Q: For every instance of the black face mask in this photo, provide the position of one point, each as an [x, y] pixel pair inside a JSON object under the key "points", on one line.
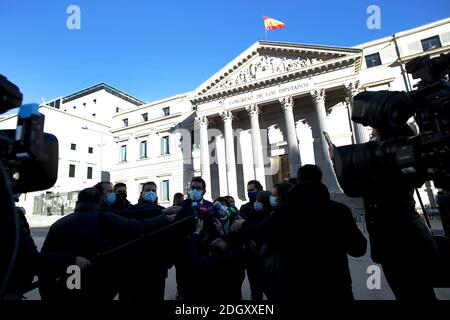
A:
{"points": [[121, 196]]}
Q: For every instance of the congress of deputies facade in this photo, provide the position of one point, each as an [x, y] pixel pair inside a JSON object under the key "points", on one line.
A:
{"points": [[262, 115]]}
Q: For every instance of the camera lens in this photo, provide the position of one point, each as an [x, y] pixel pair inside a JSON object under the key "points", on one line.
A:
{"points": [[382, 108], [398, 109]]}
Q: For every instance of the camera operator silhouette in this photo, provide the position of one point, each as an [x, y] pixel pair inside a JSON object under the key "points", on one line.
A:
{"points": [[399, 239]]}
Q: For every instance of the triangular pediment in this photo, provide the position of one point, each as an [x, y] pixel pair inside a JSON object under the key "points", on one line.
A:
{"points": [[266, 61]]}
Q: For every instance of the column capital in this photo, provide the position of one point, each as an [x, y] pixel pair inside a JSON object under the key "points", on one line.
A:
{"points": [[226, 115], [318, 95], [201, 121], [286, 102], [351, 89], [252, 110]]}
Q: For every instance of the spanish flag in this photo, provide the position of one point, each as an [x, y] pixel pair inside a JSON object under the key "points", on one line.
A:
{"points": [[271, 24]]}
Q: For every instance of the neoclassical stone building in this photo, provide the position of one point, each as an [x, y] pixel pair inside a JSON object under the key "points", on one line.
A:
{"points": [[263, 114]]}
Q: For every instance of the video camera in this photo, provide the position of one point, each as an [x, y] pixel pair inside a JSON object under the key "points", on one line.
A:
{"points": [[28, 162], [412, 159], [30, 155]]}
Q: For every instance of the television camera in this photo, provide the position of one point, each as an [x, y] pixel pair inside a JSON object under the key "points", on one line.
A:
{"points": [[412, 159], [28, 162]]}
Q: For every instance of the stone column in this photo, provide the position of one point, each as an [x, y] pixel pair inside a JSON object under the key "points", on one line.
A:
{"points": [[258, 160], [287, 103], [330, 179], [202, 123], [227, 118], [221, 164], [359, 134]]}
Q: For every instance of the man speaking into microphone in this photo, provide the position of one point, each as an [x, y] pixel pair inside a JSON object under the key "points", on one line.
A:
{"points": [[199, 208]]}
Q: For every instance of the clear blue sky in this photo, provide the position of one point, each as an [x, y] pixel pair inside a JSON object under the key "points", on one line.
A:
{"points": [[154, 49]]}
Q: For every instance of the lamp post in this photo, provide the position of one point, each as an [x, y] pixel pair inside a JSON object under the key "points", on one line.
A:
{"points": [[101, 148]]}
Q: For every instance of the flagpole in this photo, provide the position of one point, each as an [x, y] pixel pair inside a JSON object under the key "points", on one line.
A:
{"points": [[266, 34]]}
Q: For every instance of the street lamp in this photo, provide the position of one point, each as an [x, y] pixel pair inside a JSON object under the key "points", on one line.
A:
{"points": [[101, 150]]}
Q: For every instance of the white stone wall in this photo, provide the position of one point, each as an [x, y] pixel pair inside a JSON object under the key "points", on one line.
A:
{"points": [[68, 129], [156, 167], [101, 110]]}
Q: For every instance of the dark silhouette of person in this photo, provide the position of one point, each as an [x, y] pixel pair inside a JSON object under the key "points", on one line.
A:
{"points": [[107, 195], [121, 202], [86, 232], [194, 206], [178, 198], [310, 237], [399, 239], [252, 246], [217, 271], [253, 187], [146, 264], [30, 262], [280, 193]]}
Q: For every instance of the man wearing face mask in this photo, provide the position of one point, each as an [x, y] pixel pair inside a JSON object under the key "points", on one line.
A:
{"points": [[147, 271], [253, 187], [262, 208], [148, 197], [121, 203], [195, 205], [107, 195]]}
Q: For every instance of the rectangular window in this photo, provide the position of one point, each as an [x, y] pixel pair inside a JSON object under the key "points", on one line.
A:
{"points": [[123, 153], [144, 116], [143, 150], [431, 43], [89, 172], [90, 150], [73, 146], [71, 171], [125, 122], [117, 109], [373, 60], [166, 111], [165, 145], [165, 190]]}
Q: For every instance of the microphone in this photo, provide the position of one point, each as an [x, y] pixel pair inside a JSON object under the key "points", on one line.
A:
{"points": [[203, 211], [194, 207]]}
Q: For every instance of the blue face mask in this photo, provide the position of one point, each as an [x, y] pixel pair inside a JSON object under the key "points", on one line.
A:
{"points": [[252, 195], [110, 198], [195, 195], [258, 206], [150, 196], [273, 201]]}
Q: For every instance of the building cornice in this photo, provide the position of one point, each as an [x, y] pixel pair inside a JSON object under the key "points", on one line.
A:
{"points": [[402, 34], [51, 109], [436, 51], [270, 47], [148, 122], [326, 66], [151, 104], [103, 86]]}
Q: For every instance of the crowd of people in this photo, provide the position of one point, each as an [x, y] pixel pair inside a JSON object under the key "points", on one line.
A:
{"points": [[126, 250]]}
